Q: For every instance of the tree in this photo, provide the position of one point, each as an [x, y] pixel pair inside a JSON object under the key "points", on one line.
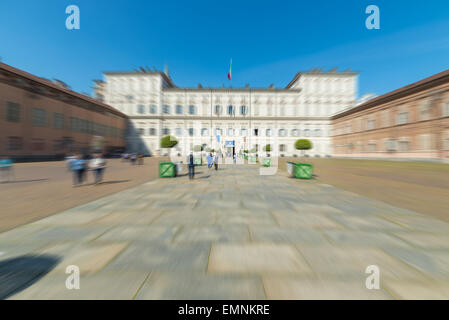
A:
{"points": [[168, 142], [303, 144], [267, 148]]}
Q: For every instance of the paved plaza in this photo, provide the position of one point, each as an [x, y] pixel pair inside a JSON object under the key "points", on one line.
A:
{"points": [[228, 234]]}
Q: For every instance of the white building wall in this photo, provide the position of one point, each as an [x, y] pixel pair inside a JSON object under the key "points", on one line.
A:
{"points": [[305, 107]]}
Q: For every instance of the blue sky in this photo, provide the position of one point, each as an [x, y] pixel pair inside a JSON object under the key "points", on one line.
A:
{"points": [[269, 41]]}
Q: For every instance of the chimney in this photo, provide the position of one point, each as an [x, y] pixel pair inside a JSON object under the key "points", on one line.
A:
{"points": [[200, 86], [247, 86]]}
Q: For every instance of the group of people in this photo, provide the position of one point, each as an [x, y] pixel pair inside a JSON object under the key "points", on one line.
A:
{"points": [[133, 158], [79, 165], [212, 160]]}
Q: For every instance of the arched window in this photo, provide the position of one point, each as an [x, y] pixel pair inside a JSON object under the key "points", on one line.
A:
{"points": [[192, 109]]}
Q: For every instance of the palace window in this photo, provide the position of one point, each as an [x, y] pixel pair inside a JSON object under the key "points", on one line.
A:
{"points": [[268, 132], [12, 112], [402, 118], [306, 133], [15, 143], [191, 132], [166, 109], [317, 132], [230, 132], [282, 148], [218, 132], [153, 109], [204, 132], [141, 131], [295, 133], [192, 109], [403, 145], [39, 117], [140, 109], [371, 124], [165, 131], [178, 109], [446, 109], [152, 131], [178, 132], [256, 132], [425, 110], [282, 133], [244, 110], [243, 132], [58, 121], [230, 110], [217, 109], [390, 145]]}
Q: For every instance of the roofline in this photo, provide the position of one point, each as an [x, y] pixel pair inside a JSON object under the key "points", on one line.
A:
{"points": [[299, 74], [147, 72], [434, 80], [235, 89], [50, 84]]}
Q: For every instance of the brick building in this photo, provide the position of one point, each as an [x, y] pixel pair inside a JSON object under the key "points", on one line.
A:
{"points": [[41, 119], [411, 122]]}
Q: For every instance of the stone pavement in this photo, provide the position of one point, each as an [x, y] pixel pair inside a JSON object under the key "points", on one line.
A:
{"points": [[229, 234]]}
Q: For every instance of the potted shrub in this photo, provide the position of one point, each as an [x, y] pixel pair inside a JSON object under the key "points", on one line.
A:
{"points": [[303, 145]]}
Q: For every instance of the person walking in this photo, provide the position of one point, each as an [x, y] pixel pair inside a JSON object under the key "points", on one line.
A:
{"points": [[216, 161], [5, 170], [98, 165], [78, 168], [191, 166], [133, 158], [210, 160]]}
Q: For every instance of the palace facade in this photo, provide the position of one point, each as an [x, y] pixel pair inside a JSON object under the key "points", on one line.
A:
{"points": [[229, 119]]}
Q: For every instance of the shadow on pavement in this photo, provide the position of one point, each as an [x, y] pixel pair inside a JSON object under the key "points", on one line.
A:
{"points": [[23, 181], [114, 181], [17, 274]]}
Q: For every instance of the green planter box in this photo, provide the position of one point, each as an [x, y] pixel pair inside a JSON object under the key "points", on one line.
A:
{"points": [[252, 159], [300, 170], [167, 170], [198, 161], [245, 157], [266, 162], [304, 171]]}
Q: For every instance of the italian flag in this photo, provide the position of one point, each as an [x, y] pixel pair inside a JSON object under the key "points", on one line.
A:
{"points": [[230, 72]]}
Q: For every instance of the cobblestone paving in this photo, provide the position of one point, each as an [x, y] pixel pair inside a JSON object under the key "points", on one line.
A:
{"points": [[229, 234]]}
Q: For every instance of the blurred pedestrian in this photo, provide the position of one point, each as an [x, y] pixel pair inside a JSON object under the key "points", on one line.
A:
{"points": [[216, 161], [191, 166], [68, 161], [140, 159], [210, 160], [98, 165], [5, 169], [78, 168], [133, 158]]}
